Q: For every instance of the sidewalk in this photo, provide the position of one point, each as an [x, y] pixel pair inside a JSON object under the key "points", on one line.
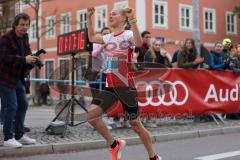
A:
{"points": [[83, 137]]}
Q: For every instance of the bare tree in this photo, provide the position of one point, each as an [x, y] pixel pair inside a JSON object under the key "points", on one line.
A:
{"points": [[35, 6], [7, 13], [236, 11]]}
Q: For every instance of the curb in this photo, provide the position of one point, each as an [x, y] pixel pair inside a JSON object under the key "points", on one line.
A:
{"points": [[81, 146]]}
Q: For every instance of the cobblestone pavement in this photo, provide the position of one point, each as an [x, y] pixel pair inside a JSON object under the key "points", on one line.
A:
{"points": [[39, 117]]}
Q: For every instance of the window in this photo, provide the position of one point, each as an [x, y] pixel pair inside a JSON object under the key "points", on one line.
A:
{"points": [[209, 20], [50, 27], [185, 17], [231, 23], [65, 23], [160, 14], [100, 17], [64, 69], [29, 3], [33, 31], [49, 69], [121, 5], [81, 19], [17, 8], [1, 10], [81, 67]]}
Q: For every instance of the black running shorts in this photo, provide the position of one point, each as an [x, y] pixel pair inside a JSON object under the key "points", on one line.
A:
{"points": [[127, 96]]}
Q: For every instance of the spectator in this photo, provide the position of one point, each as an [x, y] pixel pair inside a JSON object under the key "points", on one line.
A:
{"points": [[44, 92], [234, 63], [146, 42], [174, 58], [204, 53], [238, 47], [16, 62], [227, 45], [187, 56], [217, 57], [154, 55]]}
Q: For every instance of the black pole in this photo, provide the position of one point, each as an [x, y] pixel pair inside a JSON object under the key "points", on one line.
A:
{"points": [[72, 88]]}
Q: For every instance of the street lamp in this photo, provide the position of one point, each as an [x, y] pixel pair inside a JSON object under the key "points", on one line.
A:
{"points": [[196, 30]]}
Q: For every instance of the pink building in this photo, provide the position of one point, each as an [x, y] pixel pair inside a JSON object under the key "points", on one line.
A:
{"points": [[172, 20]]}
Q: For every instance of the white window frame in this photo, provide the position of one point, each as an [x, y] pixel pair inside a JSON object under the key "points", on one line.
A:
{"points": [[31, 31], [80, 24], [120, 5], [45, 61], [165, 14], [32, 2], [65, 25], [235, 23], [75, 72], [213, 12], [1, 10], [62, 59], [48, 36], [17, 8], [184, 28], [103, 7]]}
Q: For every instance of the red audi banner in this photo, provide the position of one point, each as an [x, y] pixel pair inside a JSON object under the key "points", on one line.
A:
{"points": [[172, 92]]}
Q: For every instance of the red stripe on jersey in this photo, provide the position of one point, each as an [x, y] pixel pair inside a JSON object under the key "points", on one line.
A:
{"points": [[115, 35]]}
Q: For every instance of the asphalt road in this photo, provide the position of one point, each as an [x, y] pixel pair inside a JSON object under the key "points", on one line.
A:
{"points": [[224, 147]]}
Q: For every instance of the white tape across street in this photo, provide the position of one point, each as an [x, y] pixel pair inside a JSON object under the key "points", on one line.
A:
{"points": [[220, 156]]}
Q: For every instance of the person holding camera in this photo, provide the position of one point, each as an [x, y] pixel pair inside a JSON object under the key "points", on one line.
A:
{"points": [[16, 62]]}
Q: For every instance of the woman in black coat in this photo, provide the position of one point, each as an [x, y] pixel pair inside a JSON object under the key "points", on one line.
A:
{"points": [[154, 56]]}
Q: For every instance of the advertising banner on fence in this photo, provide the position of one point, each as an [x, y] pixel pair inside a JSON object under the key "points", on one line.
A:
{"points": [[171, 92]]}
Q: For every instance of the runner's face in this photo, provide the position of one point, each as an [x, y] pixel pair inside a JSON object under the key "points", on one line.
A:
{"points": [[116, 18]]}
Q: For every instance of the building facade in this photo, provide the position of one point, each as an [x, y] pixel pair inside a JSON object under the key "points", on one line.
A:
{"points": [[167, 19], [8, 10]]}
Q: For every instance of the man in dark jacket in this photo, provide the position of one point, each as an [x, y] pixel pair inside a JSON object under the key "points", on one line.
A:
{"points": [[16, 62], [217, 57], [146, 39]]}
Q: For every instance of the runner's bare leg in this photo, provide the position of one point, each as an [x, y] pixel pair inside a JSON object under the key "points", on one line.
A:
{"points": [[144, 136], [95, 119]]}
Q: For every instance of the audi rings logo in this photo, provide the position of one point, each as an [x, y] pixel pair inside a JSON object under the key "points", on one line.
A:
{"points": [[174, 96]]}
